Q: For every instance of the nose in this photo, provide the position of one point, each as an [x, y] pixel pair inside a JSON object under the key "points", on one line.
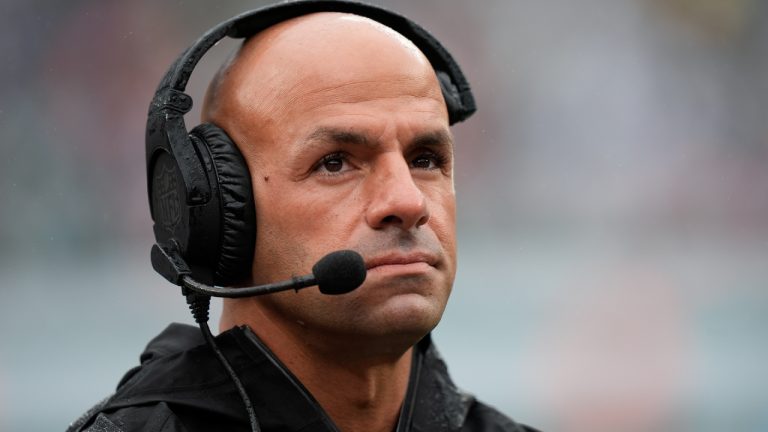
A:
{"points": [[394, 197]]}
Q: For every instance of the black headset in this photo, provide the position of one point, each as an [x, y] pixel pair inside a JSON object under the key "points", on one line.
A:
{"points": [[199, 186]]}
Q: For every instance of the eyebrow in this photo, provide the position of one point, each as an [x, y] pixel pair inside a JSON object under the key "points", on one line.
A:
{"points": [[434, 138], [341, 136], [346, 136]]}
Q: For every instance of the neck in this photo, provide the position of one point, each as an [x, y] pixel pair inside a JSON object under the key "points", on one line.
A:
{"points": [[359, 388], [358, 398]]}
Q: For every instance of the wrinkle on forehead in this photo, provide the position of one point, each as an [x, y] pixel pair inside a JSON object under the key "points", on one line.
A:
{"points": [[310, 94], [318, 58]]}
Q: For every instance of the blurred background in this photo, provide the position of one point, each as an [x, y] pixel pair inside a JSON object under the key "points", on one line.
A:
{"points": [[613, 206]]}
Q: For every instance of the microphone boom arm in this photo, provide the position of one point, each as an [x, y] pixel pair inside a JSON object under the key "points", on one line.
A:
{"points": [[296, 283], [338, 272]]}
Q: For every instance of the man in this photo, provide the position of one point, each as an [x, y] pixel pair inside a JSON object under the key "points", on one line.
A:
{"points": [[348, 147]]}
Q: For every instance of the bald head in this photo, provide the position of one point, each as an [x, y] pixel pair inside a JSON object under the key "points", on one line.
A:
{"points": [[299, 62]]}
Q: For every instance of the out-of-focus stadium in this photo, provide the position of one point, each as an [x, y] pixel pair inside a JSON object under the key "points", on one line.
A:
{"points": [[613, 206]]}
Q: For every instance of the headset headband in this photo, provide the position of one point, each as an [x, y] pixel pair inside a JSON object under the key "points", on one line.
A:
{"points": [[456, 91]]}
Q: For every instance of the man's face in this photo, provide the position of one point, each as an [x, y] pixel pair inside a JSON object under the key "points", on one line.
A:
{"points": [[350, 152]]}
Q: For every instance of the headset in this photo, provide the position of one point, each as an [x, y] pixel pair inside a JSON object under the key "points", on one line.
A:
{"points": [[199, 186]]}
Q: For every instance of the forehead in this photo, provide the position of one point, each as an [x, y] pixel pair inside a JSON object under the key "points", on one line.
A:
{"points": [[321, 59]]}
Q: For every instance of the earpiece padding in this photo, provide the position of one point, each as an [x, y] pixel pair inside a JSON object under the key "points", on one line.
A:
{"points": [[238, 215]]}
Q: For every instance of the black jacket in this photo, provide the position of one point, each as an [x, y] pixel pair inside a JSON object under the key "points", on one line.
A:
{"points": [[181, 386]]}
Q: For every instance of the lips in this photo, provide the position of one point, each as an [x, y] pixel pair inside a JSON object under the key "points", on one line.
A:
{"points": [[400, 259]]}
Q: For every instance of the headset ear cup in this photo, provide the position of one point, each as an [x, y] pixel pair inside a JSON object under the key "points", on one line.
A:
{"points": [[238, 214]]}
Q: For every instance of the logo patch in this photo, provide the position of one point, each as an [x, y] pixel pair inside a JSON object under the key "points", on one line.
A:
{"points": [[166, 197]]}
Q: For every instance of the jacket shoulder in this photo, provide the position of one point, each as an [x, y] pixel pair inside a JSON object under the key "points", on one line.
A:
{"points": [[150, 418], [110, 415], [485, 418]]}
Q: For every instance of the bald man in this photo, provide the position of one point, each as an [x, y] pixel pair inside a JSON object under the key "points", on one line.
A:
{"points": [[348, 147]]}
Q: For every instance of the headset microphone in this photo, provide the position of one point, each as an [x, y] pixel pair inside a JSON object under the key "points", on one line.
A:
{"points": [[336, 273]]}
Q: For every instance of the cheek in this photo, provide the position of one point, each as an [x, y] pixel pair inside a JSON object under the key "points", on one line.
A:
{"points": [[288, 235], [443, 219], [276, 222], [296, 213]]}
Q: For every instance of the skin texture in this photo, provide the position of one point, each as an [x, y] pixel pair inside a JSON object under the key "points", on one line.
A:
{"points": [[345, 132]]}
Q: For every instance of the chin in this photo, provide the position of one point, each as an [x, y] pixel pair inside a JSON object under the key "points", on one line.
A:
{"points": [[384, 328], [411, 316]]}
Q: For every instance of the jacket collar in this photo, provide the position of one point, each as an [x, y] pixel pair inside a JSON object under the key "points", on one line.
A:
{"points": [[178, 368]]}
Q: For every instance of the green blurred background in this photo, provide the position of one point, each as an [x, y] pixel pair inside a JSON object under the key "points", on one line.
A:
{"points": [[613, 206]]}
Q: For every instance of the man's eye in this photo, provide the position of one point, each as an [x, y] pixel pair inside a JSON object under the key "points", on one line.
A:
{"points": [[332, 163], [428, 161]]}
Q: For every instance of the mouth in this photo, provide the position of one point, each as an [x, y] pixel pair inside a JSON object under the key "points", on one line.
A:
{"points": [[402, 261]]}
